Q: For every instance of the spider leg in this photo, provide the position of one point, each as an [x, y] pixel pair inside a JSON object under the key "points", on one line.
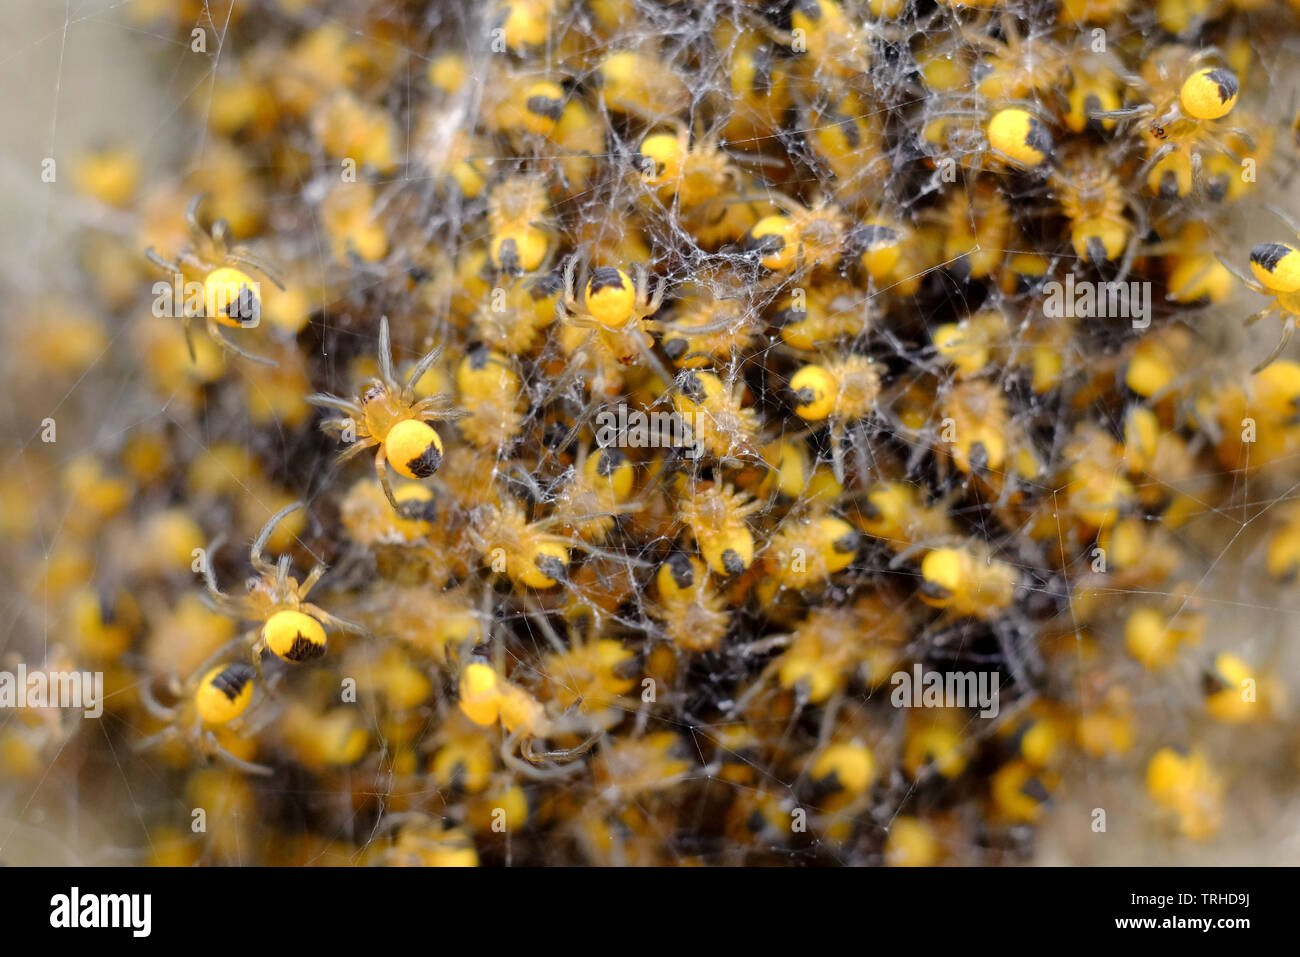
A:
{"points": [[381, 470], [325, 400], [1010, 33], [223, 652], [1127, 113], [562, 755], [1198, 277], [641, 282], [531, 771], [386, 354], [553, 521], [226, 605], [1141, 219], [1247, 281], [255, 553], [1130, 254], [163, 264], [571, 372], [187, 257], [524, 477], [787, 205], [242, 257], [774, 33], [354, 448], [256, 649], [428, 408], [152, 705], [742, 702], [725, 322], [973, 33], [657, 299], [219, 598], [213, 747], [956, 113], [334, 621], [1154, 159], [153, 740], [1263, 313], [652, 360], [1238, 132], [581, 322], [916, 548], [1206, 53], [837, 454], [538, 617], [1288, 329], [192, 213], [1286, 218], [220, 229], [570, 270], [312, 578], [424, 365], [214, 330]]}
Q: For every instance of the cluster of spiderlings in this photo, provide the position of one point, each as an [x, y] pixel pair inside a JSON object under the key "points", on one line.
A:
{"points": [[718, 363]]}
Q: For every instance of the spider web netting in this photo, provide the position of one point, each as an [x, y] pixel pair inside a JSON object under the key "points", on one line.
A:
{"points": [[1117, 496]]}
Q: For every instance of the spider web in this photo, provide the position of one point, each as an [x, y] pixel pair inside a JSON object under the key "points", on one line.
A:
{"points": [[126, 71]]}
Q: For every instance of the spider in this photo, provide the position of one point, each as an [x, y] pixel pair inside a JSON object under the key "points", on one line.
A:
{"points": [[1186, 102], [1276, 275], [693, 173], [617, 308], [420, 841], [836, 43], [1013, 135], [388, 415], [486, 696], [522, 238], [1016, 65], [292, 627], [840, 392], [213, 700], [799, 236], [230, 296], [1094, 202]]}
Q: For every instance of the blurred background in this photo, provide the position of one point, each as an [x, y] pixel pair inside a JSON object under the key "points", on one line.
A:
{"points": [[79, 74]]}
